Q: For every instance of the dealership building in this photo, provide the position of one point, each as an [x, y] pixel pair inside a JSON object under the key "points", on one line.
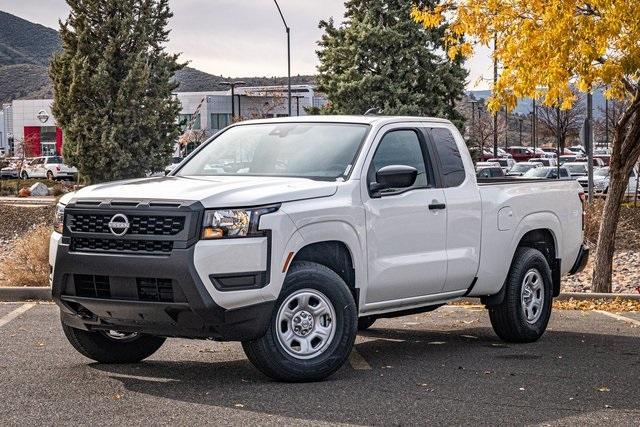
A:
{"points": [[28, 124]]}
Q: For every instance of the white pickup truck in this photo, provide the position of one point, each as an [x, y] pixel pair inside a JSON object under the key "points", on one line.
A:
{"points": [[291, 234]]}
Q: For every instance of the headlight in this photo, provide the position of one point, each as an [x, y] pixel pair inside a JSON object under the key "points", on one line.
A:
{"points": [[223, 223], [58, 218]]}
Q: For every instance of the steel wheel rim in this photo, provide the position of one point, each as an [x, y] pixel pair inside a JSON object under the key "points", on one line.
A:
{"points": [[532, 295], [120, 336], [305, 324]]}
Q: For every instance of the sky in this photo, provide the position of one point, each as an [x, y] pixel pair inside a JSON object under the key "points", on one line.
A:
{"points": [[241, 38]]}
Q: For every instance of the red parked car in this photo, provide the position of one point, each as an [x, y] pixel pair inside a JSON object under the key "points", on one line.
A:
{"points": [[521, 154]]}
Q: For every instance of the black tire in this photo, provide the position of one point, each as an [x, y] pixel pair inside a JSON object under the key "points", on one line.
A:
{"points": [[99, 347], [365, 322], [268, 354], [50, 176], [24, 175], [509, 319]]}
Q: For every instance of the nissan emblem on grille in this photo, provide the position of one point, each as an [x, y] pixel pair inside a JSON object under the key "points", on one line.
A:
{"points": [[119, 225]]}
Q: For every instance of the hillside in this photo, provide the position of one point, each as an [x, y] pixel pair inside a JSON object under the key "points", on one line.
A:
{"points": [[192, 80], [26, 49], [23, 42]]}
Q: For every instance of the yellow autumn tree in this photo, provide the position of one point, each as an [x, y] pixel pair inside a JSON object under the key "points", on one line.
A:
{"points": [[546, 48]]}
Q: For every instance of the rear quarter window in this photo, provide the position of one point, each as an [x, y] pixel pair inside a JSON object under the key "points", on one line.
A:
{"points": [[451, 165]]}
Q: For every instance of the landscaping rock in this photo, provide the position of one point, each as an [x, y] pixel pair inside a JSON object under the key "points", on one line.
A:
{"points": [[39, 189]]}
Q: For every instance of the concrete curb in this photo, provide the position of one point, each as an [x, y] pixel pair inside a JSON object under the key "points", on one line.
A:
{"points": [[18, 294]]}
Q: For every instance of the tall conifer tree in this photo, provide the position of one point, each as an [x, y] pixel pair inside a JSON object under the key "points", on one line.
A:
{"points": [[113, 84], [380, 58]]}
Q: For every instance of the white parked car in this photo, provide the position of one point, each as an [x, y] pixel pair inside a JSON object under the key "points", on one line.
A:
{"points": [[601, 178], [175, 161], [314, 228], [51, 167]]}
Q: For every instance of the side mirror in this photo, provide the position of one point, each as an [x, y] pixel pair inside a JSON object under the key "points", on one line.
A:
{"points": [[393, 176]]}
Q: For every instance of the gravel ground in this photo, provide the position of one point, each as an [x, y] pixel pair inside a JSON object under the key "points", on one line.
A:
{"points": [[626, 275]]}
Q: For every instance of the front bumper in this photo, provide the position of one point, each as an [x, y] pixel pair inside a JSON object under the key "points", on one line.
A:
{"points": [[190, 312], [581, 260]]}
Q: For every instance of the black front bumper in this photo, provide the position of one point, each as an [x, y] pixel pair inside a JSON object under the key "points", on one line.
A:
{"points": [[190, 313], [581, 260]]}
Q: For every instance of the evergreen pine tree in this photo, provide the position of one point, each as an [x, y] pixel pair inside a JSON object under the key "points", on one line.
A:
{"points": [[381, 58], [113, 84]]}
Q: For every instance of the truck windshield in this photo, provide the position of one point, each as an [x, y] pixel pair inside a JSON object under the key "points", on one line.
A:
{"points": [[306, 150]]}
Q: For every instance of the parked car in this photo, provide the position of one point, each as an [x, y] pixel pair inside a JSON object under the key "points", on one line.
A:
{"points": [[325, 224], [521, 168], [548, 161], [50, 167], [601, 178], [175, 161], [490, 172], [578, 150], [540, 153], [568, 159], [597, 162], [488, 154], [10, 172], [505, 163], [521, 154], [606, 158], [548, 172], [577, 169]]}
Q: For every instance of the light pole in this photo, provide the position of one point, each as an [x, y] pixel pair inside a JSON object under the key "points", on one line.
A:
{"points": [[495, 79], [233, 97], [534, 137], [588, 139], [520, 121], [288, 52], [506, 127], [558, 138]]}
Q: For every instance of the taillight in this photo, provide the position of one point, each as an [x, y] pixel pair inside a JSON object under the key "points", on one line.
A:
{"points": [[58, 168], [583, 202]]}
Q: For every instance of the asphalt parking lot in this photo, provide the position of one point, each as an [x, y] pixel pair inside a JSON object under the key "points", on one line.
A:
{"points": [[445, 367]]}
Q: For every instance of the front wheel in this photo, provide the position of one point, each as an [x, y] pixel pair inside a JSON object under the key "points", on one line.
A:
{"points": [[50, 175], [312, 329], [24, 175], [524, 313], [112, 346]]}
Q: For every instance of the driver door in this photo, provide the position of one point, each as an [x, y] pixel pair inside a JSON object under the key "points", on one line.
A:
{"points": [[406, 227]]}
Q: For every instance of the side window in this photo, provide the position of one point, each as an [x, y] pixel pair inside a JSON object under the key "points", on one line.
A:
{"points": [[451, 164], [496, 173], [399, 147], [564, 173]]}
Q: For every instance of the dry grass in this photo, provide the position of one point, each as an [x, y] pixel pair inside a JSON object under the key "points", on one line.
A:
{"points": [[27, 263]]}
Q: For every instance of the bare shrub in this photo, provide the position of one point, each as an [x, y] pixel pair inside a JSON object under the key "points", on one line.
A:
{"points": [[28, 261]]}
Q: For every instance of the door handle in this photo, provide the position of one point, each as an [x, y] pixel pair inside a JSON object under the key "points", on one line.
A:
{"points": [[437, 206]]}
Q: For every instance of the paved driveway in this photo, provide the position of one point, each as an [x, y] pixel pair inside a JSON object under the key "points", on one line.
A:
{"points": [[445, 367]]}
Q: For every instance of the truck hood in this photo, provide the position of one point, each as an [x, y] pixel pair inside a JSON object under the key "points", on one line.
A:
{"points": [[212, 191]]}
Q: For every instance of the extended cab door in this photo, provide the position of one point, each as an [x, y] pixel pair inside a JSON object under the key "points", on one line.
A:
{"points": [[406, 227], [464, 206]]}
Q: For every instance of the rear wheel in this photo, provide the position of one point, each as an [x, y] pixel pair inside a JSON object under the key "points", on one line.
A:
{"points": [[50, 175], [312, 328], [112, 346], [24, 175], [524, 313]]}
